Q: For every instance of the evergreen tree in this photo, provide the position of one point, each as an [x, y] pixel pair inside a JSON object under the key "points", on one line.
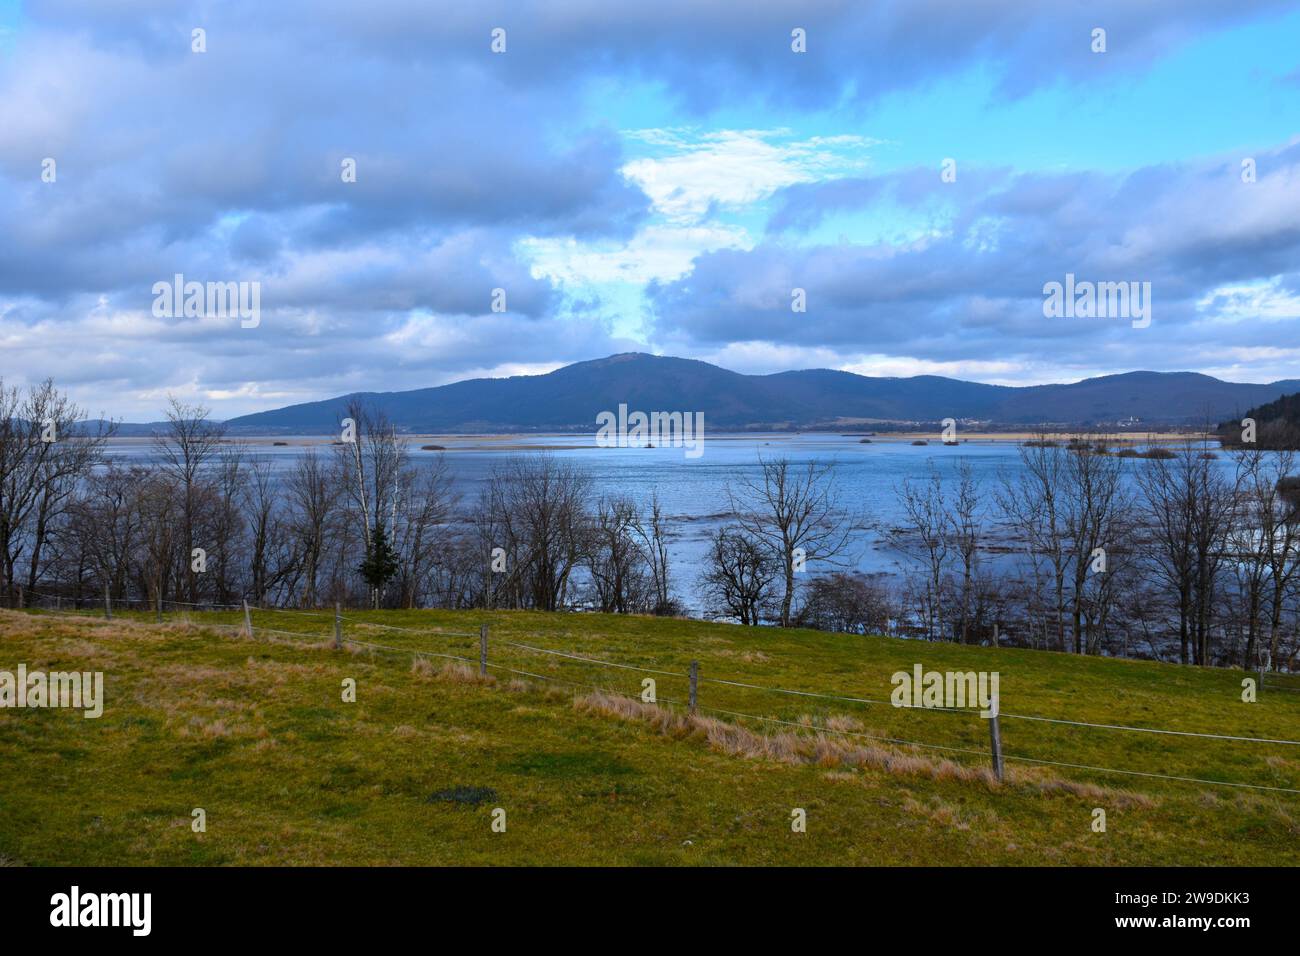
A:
{"points": [[380, 564]]}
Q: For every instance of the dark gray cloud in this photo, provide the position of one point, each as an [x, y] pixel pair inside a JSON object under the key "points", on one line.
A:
{"points": [[225, 166], [710, 52]]}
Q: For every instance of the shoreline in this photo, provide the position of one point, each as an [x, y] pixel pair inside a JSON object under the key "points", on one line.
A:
{"points": [[565, 441]]}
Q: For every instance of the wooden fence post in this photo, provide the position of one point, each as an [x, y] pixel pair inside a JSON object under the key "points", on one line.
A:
{"points": [[158, 605], [108, 605], [695, 684], [995, 738], [482, 650], [248, 620], [338, 626], [20, 597]]}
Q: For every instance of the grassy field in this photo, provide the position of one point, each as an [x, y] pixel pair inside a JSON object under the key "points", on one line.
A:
{"points": [[256, 733]]}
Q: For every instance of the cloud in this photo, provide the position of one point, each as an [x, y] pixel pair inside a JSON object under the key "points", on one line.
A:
{"points": [[971, 290], [695, 180], [699, 172], [226, 166], [656, 253], [707, 53], [478, 171]]}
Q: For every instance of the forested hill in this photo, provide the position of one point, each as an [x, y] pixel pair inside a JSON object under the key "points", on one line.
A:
{"points": [[570, 398], [1277, 424]]}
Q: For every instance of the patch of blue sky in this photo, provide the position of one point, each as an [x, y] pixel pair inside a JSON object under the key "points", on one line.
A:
{"points": [[1232, 89], [882, 222], [10, 20]]}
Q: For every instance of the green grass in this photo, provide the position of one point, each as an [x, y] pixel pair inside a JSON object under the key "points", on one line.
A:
{"points": [[256, 733]]}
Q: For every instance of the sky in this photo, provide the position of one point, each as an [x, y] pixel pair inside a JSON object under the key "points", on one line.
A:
{"points": [[638, 176]]}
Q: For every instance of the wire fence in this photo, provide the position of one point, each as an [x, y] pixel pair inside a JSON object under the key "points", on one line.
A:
{"points": [[693, 678], [942, 747]]}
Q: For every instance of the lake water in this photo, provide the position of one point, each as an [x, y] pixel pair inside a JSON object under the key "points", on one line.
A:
{"points": [[693, 490]]}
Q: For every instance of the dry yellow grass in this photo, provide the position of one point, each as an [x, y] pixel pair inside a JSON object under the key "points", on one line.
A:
{"points": [[829, 751]]}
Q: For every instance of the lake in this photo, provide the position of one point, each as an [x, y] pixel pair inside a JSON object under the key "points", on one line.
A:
{"points": [[693, 490]]}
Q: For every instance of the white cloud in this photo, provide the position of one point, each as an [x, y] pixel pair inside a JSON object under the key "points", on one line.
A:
{"points": [[1265, 300], [662, 252], [735, 168], [692, 176], [902, 366], [759, 358]]}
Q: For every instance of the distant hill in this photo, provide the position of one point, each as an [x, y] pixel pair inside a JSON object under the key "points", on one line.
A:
{"points": [[121, 429], [570, 398], [1277, 424]]}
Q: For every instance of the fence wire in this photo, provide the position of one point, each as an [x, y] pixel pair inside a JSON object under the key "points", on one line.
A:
{"points": [[420, 652]]}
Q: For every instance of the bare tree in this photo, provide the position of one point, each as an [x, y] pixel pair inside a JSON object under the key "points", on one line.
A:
{"points": [[1095, 524], [619, 568], [43, 458], [1031, 501], [313, 497], [422, 507], [498, 545], [1188, 506], [1263, 539], [270, 555], [63, 471], [370, 468], [926, 538], [537, 510], [371, 464], [966, 515], [162, 529], [186, 446], [794, 510], [652, 531], [845, 603], [223, 525], [739, 577], [106, 524]]}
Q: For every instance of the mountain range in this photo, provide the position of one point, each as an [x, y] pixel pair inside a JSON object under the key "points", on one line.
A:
{"points": [[569, 398]]}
